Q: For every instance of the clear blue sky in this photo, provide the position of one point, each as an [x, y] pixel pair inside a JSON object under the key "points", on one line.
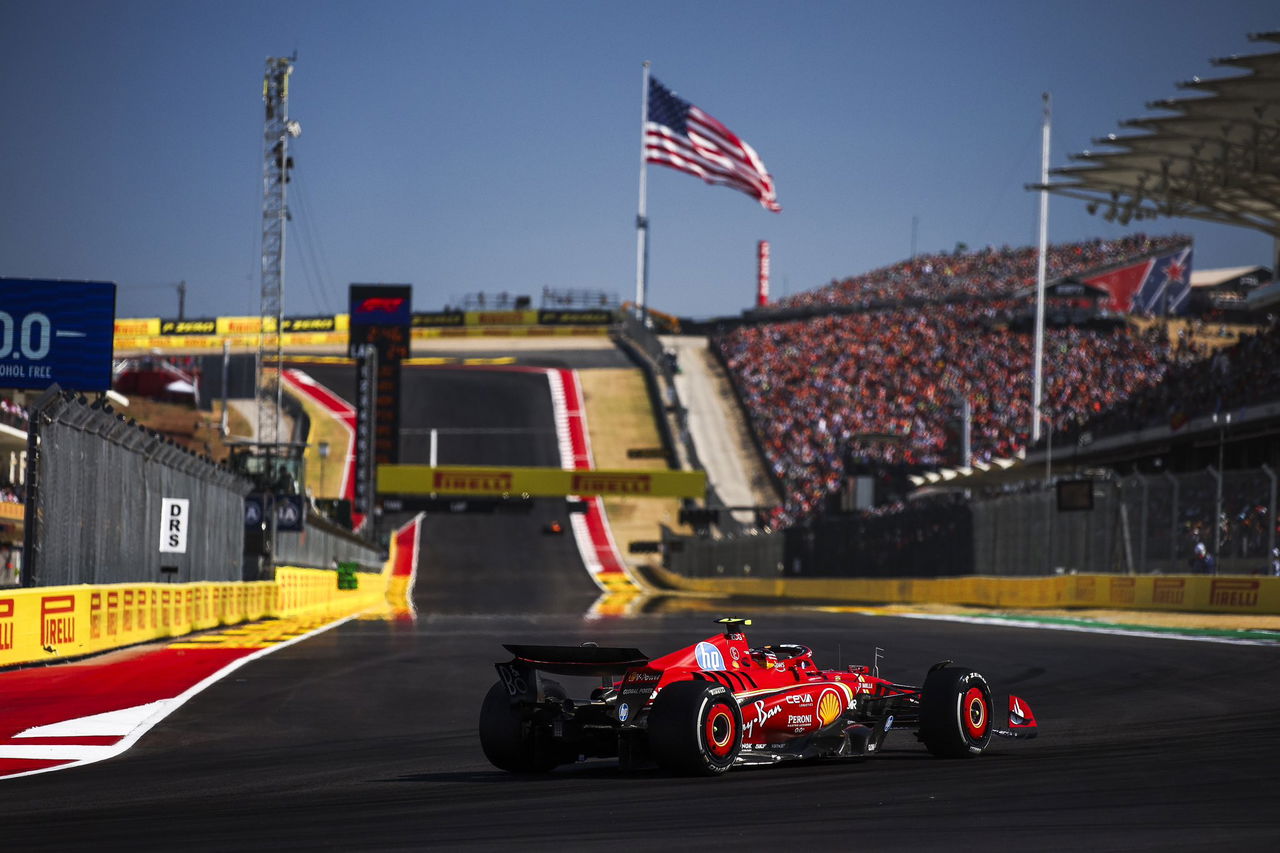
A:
{"points": [[469, 146]]}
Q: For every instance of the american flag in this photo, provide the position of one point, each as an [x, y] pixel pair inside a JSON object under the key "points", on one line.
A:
{"points": [[679, 135], [1159, 285]]}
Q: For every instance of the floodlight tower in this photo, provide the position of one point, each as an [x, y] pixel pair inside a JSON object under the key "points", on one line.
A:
{"points": [[276, 163]]}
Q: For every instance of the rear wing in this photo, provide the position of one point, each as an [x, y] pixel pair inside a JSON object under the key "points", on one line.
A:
{"points": [[578, 660], [520, 674]]}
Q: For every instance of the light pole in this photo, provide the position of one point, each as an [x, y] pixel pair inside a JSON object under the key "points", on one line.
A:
{"points": [[1223, 422], [323, 450], [1047, 413]]}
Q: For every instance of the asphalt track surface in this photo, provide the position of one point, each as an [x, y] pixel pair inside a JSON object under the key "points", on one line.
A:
{"points": [[363, 737]]}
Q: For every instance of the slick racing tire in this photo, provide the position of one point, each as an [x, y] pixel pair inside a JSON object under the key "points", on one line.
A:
{"points": [[695, 729], [508, 740], [955, 713]]}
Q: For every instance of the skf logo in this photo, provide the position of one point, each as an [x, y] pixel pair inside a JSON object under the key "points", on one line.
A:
{"points": [[1234, 593], [57, 620], [380, 305], [471, 481], [6, 624], [611, 484]]}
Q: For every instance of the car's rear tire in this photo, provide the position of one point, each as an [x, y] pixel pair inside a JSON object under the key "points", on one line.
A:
{"points": [[955, 713], [508, 739], [695, 729]]}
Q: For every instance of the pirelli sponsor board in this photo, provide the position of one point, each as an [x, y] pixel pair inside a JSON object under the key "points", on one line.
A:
{"points": [[538, 482], [139, 327], [233, 326]]}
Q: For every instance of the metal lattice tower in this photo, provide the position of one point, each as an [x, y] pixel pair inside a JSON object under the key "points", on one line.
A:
{"points": [[276, 163]]}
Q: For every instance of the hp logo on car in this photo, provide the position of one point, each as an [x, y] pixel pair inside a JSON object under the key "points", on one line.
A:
{"points": [[624, 711], [709, 657]]}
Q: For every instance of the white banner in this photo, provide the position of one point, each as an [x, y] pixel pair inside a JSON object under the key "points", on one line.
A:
{"points": [[175, 516]]}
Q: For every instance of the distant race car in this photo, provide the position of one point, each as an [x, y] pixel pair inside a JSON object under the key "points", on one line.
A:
{"points": [[719, 703]]}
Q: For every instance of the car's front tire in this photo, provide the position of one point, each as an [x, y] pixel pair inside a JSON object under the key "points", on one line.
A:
{"points": [[955, 713], [695, 729]]}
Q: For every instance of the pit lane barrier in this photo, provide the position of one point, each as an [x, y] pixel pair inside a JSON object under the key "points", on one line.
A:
{"points": [[1174, 593]]}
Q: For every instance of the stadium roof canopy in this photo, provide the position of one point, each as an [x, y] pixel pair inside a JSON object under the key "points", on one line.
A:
{"points": [[1216, 157]]}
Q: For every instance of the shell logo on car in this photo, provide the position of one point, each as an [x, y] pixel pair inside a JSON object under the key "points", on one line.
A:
{"points": [[830, 707]]}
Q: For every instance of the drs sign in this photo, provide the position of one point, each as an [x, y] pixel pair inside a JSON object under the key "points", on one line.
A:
{"points": [[56, 331], [175, 518]]}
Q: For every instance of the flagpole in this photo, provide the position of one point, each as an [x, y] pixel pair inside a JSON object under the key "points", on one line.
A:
{"points": [[1037, 390], [642, 219]]}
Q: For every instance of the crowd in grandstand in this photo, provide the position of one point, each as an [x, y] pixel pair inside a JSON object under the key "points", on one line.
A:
{"points": [[1231, 378], [12, 414], [887, 385], [990, 272]]}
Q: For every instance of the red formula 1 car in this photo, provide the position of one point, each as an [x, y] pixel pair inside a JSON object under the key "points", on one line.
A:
{"points": [[721, 703]]}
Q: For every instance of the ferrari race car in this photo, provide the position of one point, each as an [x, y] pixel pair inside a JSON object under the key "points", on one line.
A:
{"points": [[720, 703]]}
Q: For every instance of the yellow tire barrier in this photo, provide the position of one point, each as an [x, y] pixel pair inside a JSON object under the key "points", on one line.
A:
{"points": [[1185, 593]]}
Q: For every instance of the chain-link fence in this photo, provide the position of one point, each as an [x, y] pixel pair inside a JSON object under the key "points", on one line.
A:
{"points": [[932, 541], [322, 545], [1197, 522], [1027, 535], [1201, 521], [97, 485]]}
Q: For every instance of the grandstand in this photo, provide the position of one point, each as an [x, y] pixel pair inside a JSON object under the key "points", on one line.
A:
{"points": [[897, 351]]}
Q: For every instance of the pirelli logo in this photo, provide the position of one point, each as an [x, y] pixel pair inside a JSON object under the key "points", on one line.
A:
{"points": [[472, 481], [246, 325], [1122, 590], [401, 480], [1086, 589], [592, 483], [133, 328], [1234, 593], [499, 318], [1168, 590], [57, 620], [6, 624]]}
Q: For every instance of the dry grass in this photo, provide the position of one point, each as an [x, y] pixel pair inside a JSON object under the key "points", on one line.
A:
{"points": [[194, 429], [619, 418]]}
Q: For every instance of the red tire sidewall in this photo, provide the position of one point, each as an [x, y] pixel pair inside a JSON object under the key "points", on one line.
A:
{"points": [[975, 714], [720, 729]]}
